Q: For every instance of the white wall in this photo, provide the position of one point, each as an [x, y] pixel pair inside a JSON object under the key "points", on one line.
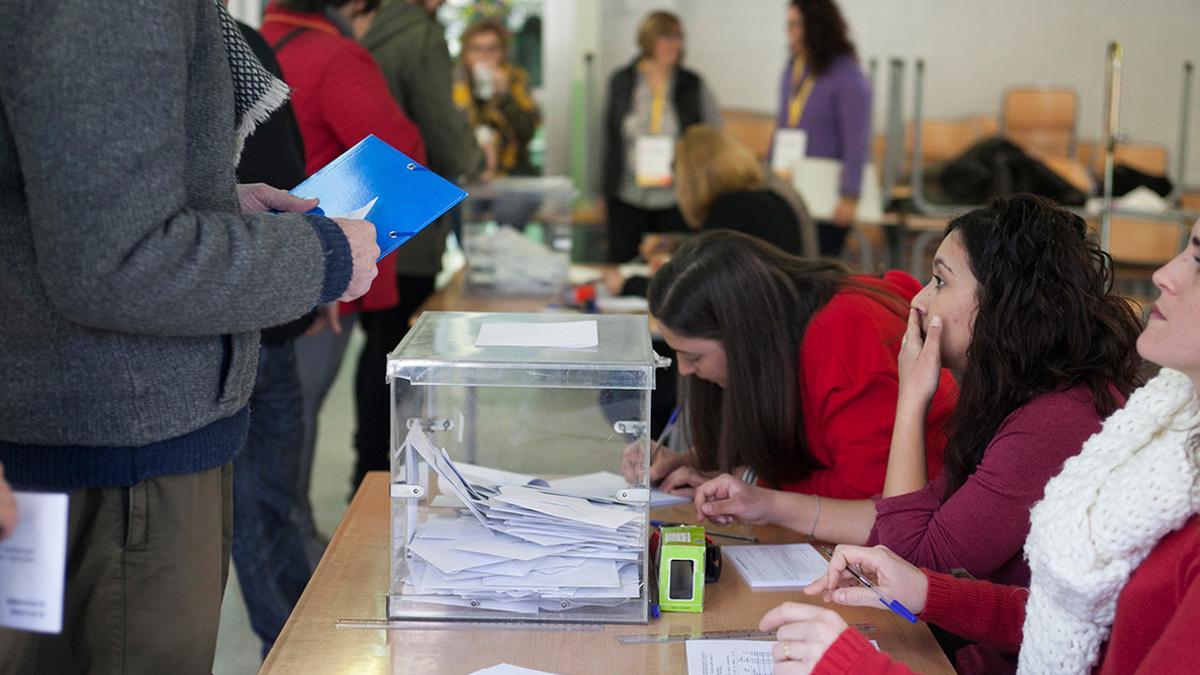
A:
{"points": [[973, 49]]}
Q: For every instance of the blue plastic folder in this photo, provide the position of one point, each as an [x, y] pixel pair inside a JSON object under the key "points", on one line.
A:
{"points": [[400, 196]]}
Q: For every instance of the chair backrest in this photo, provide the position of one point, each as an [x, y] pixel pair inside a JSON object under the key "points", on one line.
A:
{"points": [[1149, 158], [1040, 119], [754, 129], [1144, 243], [943, 140]]}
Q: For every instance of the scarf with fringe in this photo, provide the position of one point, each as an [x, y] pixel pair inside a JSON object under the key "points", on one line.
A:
{"points": [[257, 93]]}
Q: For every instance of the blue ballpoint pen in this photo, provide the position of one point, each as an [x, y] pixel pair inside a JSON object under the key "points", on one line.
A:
{"points": [[894, 605], [669, 426], [666, 431]]}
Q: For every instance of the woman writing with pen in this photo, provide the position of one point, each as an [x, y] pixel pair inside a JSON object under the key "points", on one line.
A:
{"points": [[789, 368], [1114, 546]]}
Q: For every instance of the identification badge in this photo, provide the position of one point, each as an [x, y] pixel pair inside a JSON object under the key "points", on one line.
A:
{"points": [[791, 146], [652, 160]]}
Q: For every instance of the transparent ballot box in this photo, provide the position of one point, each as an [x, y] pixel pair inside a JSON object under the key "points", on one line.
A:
{"points": [[508, 501], [517, 235]]}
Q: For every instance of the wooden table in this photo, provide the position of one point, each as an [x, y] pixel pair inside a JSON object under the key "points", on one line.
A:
{"points": [[454, 298], [352, 579]]}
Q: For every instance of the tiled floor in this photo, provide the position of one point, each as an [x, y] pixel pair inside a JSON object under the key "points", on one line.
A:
{"points": [[238, 649]]}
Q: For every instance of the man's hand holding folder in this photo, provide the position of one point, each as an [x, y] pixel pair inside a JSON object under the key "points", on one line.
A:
{"points": [[360, 234], [365, 252]]}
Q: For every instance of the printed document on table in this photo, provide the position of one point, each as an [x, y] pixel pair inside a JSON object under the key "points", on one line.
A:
{"points": [[777, 566], [730, 657], [33, 563], [561, 335]]}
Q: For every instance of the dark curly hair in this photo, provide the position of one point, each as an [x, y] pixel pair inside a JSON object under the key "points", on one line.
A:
{"points": [[756, 301], [1047, 321], [826, 35]]}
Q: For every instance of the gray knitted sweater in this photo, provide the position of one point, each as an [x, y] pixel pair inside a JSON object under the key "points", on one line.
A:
{"points": [[131, 289]]}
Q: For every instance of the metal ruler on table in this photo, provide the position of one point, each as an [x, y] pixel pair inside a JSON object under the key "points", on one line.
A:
{"points": [[422, 624], [745, 634], [736, 634]]}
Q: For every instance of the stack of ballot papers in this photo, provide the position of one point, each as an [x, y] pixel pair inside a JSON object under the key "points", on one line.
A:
{"points": [[523, 548], [504, 261]]}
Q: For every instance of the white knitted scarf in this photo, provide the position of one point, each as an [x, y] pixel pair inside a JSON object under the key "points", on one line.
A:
{"points": [[1134, 482]]}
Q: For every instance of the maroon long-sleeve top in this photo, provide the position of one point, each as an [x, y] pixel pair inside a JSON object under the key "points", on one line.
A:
{"points": [[982, 527]]}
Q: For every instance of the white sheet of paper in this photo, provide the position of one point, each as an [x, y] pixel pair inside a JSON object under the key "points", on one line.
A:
{"points": [[440, 462], [818, 180], [509, 669], [604, 485], [777, 566], [569, 508], [484, 475], [730, 657], [560, 335], [791, 146], [452, 527], [652, 157], [33, 563], [359, 213]]}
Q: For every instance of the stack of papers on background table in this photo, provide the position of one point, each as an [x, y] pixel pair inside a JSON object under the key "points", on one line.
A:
{"points": [[523, 548]]}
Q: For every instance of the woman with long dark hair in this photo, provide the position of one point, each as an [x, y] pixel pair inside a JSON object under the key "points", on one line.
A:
{"points": [[1020, 305], [825, 96], [1114, 545], [789, 367]]}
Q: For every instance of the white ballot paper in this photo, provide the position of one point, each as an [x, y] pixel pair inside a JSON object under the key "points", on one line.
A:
{"points": [[730, 657], [526, 547], [605, 484], [509, 669], [777, 567], [33, 564], [560, 335]]}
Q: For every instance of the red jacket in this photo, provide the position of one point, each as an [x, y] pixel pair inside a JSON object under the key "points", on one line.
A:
{"points": [[1157, 618], [848, 388], [340, 96]]}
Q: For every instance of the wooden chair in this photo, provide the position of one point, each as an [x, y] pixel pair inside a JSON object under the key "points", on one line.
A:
{"points": [[754, 129], [1149, 158], [1138, 247], [1040, 119]]}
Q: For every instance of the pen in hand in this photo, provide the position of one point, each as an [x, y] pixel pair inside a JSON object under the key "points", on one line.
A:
{"points": [[662, 436], [894, 605]]}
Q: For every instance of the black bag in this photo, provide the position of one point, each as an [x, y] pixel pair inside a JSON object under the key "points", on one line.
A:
{"points": [[995, 167], [1125, 179]]}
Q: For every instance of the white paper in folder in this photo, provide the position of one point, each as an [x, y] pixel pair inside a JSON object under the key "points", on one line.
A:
{"points": [[818, 180]]}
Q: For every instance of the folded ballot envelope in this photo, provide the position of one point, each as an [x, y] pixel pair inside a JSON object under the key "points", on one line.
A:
{"points": [[376, 182]]}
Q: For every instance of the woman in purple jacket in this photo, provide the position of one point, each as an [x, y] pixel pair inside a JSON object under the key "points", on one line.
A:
{"points": [[825, 95]]}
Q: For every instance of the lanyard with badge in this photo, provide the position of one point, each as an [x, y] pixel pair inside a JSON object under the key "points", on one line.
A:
{"points": [[653, 153], [791, 142]]}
